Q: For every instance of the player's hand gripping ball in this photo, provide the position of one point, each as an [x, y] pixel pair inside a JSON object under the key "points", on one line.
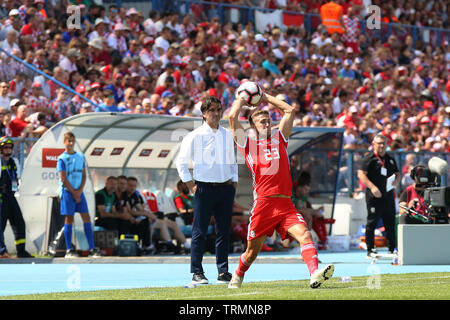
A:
{"points": [[250, 92]]}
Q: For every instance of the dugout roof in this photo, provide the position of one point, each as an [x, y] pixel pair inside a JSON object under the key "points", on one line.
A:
{"points": [[151, 141]]}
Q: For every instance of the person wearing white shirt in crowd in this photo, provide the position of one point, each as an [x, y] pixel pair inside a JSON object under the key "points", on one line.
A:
{"points": [[68, 63], [116, 40], [100, 30], [281, 50], [149, 24], [14, 22], [162, 40], [4, 95], [322, 39], [276, 37], [338, 102], [147, 54], [171, 56], [185, 27], [169, 69], [10, 42], [162, 22], [215, 175]]}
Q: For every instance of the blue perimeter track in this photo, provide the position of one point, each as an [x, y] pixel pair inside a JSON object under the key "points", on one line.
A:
{"points": [[65, 276]]}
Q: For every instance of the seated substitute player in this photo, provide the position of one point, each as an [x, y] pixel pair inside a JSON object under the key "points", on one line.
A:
{"points": [[267, 158]]}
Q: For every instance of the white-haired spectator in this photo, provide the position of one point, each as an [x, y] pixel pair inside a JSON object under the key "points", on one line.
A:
{"points": [[10, 42]]}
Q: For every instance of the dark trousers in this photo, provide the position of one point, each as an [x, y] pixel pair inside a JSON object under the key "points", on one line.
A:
{"points": [[383, 208], [114, 224], [11, 211], [142, 229], [217, 201], [2, 238]]}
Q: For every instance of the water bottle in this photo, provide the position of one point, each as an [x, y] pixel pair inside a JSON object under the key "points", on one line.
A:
{"points": [[345, 279], [395, 258]]}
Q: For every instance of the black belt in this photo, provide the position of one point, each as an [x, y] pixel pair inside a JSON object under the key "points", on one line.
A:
{"points": [[216, 184]]}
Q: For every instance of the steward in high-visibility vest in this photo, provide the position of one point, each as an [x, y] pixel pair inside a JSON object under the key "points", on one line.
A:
{"points": [[331, 14]]}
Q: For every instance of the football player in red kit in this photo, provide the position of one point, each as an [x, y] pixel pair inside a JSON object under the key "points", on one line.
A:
{"points": [[267, 158]]}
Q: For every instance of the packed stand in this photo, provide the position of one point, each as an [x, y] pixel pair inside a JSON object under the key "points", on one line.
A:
{"points": [[163, 63], [125, 60], [409, 12]]}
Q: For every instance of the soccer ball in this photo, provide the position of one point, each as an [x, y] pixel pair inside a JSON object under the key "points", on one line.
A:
{"points": [[250, 92]]}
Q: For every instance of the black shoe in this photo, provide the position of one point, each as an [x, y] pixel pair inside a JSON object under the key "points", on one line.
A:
{"points": [[149, 251], [224, 278], [199, 278], [95, 253], [24, 254], [371, 253]]}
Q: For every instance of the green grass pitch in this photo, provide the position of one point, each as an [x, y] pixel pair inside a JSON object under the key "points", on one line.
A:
{"points": [[421, 286]]}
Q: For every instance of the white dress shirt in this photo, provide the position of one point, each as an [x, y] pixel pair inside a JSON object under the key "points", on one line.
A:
{"points": [[212, 155]]}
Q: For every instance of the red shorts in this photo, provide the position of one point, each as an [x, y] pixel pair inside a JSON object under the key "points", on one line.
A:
{"points": [[273, 214]]}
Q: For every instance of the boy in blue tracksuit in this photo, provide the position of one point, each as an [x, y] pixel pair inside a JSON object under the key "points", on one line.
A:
{"points": [[72, 172]]}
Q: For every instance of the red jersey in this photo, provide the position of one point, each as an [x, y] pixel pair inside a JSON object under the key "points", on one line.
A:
{"points": [[269, 163]]}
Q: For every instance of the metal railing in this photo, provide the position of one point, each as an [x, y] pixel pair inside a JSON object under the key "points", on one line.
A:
{"points": [[32, 74], [22, 147]]}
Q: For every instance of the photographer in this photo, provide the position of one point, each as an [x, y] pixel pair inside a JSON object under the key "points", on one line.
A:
{"points": [[412, 197]]}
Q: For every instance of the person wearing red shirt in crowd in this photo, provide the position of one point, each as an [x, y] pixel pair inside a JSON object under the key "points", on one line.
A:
{"points": [[388, 132], [428, 111], [37, 102], [210, 47], [98, 53], [19, 126], [273, 208], [351, 119], [226, 74], [32, 29], [168, 86], [393, 45], [352, 27], [183, 78]]}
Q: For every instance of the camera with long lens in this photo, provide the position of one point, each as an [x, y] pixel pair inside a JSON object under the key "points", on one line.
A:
{"points": [[436, 197]]}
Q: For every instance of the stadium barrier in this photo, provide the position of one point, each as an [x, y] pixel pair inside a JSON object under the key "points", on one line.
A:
{"points": [[243, 14], [22, 147], [413, 250]]}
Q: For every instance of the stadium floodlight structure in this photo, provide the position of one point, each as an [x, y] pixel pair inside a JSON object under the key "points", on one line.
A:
{"points": [[146, 146]]}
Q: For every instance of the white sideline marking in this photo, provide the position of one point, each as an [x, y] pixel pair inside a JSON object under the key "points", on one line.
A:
{"points": [[221, 295]]}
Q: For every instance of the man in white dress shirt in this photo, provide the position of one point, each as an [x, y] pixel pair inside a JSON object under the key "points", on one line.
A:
{"points": [[210, 148]]}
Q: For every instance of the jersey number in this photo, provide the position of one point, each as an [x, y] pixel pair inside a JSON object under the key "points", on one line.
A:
{"points": [[271, 154]]}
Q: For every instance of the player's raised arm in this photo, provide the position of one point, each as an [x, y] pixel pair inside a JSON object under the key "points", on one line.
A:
{"points": [[235, 126], [288, 112]]}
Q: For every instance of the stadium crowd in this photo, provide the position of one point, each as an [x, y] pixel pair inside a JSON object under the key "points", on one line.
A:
{"points": [[164, 63], [160, 62]]}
